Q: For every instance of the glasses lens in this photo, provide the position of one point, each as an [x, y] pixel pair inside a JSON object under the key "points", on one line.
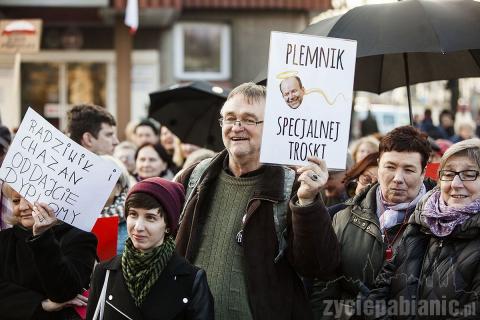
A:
{"points": [[446, 175], [468, 175]]}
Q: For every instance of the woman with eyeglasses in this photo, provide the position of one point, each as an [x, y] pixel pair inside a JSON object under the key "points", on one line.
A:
{"points": [[438, 260]]}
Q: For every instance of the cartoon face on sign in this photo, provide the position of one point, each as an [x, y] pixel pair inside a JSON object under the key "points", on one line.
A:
{"points": [[292, 91]]}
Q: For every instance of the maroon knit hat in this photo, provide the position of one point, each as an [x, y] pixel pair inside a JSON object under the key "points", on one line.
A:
{"points": [[171, 195]]}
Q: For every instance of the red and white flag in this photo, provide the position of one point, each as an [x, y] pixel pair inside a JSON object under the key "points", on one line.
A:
{"points": [[131, 15]]}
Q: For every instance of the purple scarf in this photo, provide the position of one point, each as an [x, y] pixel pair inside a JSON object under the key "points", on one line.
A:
{"points": [[442, 219], [392, 214]]}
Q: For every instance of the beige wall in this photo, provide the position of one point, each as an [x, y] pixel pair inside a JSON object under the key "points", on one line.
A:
{"points": [[250, 36]]}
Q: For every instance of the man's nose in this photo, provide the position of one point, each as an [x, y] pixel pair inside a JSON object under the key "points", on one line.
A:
{"points": [[115, 140], [238, 126]]}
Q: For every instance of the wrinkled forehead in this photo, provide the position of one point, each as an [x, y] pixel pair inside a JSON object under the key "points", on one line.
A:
{"points": [[239, 106]]}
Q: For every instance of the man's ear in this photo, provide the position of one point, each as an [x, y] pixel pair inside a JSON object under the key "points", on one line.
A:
{"points": [[87, 140]]}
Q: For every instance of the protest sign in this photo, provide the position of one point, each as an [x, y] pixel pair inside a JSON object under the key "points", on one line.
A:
{"points": [[309, 99], [44, 165]]}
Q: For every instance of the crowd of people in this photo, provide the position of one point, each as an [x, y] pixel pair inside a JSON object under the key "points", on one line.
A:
{"points": [[205, 235]]}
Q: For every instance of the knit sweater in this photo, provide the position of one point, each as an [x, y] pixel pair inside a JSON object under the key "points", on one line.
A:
{"points": [[220, 254]]}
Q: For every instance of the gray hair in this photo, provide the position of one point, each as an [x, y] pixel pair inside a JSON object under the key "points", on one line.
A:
{"points": [[469, 148], [251, 91]]}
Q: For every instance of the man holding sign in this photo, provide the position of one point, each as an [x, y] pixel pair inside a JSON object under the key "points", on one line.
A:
{"points": [[255, 228]]}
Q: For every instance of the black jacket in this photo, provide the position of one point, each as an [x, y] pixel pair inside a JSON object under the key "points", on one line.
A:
{"points": [[55, 265], [430, 268], [181, 292]]}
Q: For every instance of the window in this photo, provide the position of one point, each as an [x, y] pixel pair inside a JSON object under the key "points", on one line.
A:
{"points": [[201, 51]]}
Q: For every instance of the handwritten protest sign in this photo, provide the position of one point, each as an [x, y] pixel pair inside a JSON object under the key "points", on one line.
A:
{"points": [[43, 164], [309, 99]]}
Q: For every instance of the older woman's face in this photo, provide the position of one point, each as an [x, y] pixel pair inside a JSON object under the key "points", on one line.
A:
{"points": [[149, 164], [458, 193], [146, 228], [22, 209]]}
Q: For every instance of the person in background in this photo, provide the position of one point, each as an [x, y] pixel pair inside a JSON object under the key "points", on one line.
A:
{"points": [[360, 176], [428, 127], [93, 127], [368, 125], [362, 147], [5, 205], [364, 173], [152, 160], [146, 131], [445, 124], [149, 280], [172, 144], [45, 263], [466, 130], [438, 257], [129, 129], [371, 226], [334, 191], [116, 201], [125, 152]]}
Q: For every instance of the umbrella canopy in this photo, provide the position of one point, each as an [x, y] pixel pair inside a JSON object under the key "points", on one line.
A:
{"points": [[408, 42], [191, 111]]}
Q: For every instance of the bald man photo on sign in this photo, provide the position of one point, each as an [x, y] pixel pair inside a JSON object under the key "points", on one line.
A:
{"points": [[292, 91]]}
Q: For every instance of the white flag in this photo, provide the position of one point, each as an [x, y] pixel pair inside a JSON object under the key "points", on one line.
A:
{"points": [[131, 15]]}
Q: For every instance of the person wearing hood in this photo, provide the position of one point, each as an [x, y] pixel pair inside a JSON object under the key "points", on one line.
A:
{"points": [[437, 261]]}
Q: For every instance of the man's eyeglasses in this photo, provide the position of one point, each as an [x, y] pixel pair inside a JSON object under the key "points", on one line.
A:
{"points": [[465, 175], [230, 122]]}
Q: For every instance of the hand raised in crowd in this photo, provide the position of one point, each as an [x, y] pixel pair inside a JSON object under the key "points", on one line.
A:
{"points": [[312, 178], [50, 306], [44, 218]]}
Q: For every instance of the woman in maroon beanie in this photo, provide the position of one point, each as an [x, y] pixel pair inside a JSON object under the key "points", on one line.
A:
{"points": [[149, 280]]}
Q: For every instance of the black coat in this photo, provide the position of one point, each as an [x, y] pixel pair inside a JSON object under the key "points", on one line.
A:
{"points": [[181, 292], [430, 268], [55, 265]]}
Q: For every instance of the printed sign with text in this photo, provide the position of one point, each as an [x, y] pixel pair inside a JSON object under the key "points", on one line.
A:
{"points": [[309, 99], [44, 165]]}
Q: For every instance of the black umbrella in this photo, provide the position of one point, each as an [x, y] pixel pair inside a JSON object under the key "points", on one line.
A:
{"points": [[408, 42], [191, 111]]}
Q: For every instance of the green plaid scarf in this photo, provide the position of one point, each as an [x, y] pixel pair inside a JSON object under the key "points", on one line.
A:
{"points": [[142, 270]]}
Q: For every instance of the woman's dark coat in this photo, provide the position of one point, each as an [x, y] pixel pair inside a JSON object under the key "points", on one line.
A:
{"points": [[55, 265], [181, 292], [429, 268]]}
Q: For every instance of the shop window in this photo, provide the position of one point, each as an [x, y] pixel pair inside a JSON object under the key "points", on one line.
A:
{"points": [[201, 51], [51, 88]]}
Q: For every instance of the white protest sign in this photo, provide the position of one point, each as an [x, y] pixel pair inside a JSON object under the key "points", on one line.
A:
{"points": [[44, 165], [309, 99]]}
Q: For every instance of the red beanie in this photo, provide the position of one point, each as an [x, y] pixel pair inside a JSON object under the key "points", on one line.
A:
{"points": [[171, 196]]}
